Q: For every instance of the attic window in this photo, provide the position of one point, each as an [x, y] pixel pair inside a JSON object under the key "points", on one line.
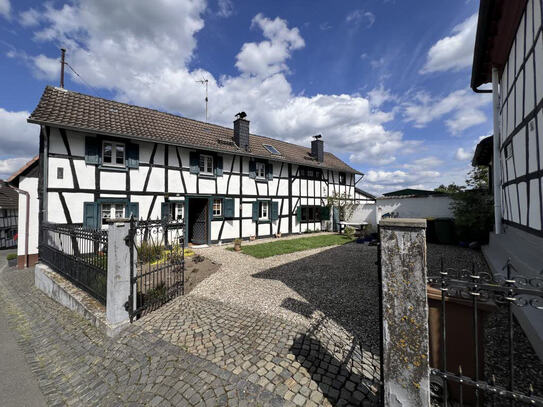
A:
{"points": [[271, 149]]}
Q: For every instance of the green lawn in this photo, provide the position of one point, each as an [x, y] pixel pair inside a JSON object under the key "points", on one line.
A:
{"points": [[263, 250]]}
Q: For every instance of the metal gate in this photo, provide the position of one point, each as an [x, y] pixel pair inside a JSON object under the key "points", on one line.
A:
{"points": [[157, 264], [503, 292]]}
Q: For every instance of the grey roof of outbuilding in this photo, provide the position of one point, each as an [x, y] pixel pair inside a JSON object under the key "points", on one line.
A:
{"points": [[9, 199], [62, 108]]}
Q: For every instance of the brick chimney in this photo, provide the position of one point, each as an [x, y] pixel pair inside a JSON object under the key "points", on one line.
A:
{"points": [[317, 148], [241, 131]]}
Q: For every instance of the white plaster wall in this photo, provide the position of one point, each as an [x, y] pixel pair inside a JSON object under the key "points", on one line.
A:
{"points": [[113, 180], [364, 212], [29, 185], [423, 207]]}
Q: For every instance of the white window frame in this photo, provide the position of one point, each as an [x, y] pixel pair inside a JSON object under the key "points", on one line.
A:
{"points": [[178, 211], [205, 158], [261, 206], [114, 146], [217, 213], [260, 169], [113, 207]]}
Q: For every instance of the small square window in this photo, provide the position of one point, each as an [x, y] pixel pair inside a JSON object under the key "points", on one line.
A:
{"points": [[508, 150], [111, 211], [60, 173], [206, 164], [260, 170], [263, 211], [177, 212], [217, 207]]}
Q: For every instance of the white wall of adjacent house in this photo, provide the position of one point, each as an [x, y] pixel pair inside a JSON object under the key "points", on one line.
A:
{"points": [[521, 118], [164, 174], [30, 185]]}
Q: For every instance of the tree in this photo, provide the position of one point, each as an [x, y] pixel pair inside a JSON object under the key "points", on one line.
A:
{"points": [[449, 189], [473, 208]]}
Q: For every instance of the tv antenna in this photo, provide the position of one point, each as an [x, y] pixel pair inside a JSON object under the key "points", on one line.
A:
{"points": [[204, 81]]}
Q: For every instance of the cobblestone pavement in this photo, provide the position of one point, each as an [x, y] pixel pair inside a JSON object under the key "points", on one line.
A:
{"points": [[75, 364]]}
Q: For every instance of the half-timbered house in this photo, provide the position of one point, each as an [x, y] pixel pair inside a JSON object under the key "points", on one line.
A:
{"points": [[101, 159]]}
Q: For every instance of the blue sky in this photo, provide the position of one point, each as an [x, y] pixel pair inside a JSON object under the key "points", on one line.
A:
{"points": [[385, 82]]}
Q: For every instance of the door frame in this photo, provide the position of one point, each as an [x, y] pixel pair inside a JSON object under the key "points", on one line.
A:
{"points": [[187, 206]]}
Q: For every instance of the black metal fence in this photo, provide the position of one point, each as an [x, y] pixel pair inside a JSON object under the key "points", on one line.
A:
{"points": [[157, 261], [77, 253], [479, 291]]}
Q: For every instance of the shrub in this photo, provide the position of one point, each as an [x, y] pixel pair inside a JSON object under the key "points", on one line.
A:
{"points": [[237, 241], [349, 232], [11, 256], [149, 253]]}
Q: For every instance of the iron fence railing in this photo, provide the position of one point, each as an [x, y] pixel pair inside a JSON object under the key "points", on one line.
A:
{"points": [[77, 253], [476, 290]]}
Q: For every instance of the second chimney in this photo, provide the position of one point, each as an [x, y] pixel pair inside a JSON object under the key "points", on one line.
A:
{"points": [[317, 148], [241, 132]]}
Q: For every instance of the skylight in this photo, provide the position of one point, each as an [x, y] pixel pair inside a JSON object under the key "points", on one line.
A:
{"points": [[271, 149]]}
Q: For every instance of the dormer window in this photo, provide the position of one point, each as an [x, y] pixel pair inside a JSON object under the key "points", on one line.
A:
{"points": [[113, 154]]}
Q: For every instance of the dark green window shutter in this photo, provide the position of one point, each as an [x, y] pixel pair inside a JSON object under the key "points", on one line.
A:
{"points": [[252, 168], [218, 166], [269, 171], [228, 207], [90, 215], [164, 210], [133, 209], [274, 210], [255, 211], [299, 214], [92, 151], [132, 155], [194, 162], [325, 212]]}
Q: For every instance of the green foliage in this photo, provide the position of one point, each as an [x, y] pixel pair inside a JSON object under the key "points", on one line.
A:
{"points": [[344, 204], [449, 189], [473, 208], [237, 241], [349, 232], [11, 256], [285, 246], [149, 253]]}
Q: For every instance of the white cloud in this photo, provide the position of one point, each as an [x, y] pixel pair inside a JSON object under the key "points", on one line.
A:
{"points": [[453, 52], [10, 165], [359, 17], [141, 52], [325, 26], [5, 8], [226, 8], [463, 155], [269, 57], [29, 18], [380, 95], [17, 137], [463, 107]]}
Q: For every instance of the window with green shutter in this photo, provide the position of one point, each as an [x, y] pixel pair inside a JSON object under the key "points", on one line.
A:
{"points": [[132, 155], [90, 215], [255, 211], [218, 166], [269, 171], [228, 207], [274, 214], [194, 162], [165, 210], [92, 150], [133, 209]]}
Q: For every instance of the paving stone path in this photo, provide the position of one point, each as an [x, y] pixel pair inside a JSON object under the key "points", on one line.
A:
{"points": [[193, 351]]}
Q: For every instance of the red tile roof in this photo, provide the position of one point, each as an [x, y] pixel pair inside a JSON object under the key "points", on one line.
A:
{"points": [[72, 110]]}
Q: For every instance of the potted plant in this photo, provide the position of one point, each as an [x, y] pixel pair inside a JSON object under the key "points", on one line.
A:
{"points": [[12, 259], [237, 245], [252, 238], [278, 235]]}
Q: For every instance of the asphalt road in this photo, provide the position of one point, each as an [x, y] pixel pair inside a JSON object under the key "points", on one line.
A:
{"points": [[18, 386]]}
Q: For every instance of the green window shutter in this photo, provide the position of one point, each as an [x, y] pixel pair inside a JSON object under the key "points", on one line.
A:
{"points": [[228, 207], [90, 215], [218, 166], [194, 159], [92, 151], [132, 155], [252, 168], [274, 210], [164, 210], [269, 171], [133, 209], [255, 211], [325, 212], [299, 214]]}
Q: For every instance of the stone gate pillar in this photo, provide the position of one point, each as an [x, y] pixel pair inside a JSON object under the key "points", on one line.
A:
{"points": [[405, 312]]}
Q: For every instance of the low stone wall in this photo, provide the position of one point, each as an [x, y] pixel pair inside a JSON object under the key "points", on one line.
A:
{"points": [[64, 292]]}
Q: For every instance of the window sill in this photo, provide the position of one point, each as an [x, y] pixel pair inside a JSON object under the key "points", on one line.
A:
{"points": [[262, 180], [207, 176], [112, 168], [217, 218]]}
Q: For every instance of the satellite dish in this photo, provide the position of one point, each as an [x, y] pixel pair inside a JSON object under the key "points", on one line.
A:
{"points": [[241, 115]]}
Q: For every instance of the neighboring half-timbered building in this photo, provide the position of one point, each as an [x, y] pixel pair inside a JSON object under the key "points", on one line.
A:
{"points": [[8, 216], [101, 159]]}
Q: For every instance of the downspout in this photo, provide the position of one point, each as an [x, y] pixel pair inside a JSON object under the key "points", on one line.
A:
{"points": [[496, 159], [27, 218]]}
